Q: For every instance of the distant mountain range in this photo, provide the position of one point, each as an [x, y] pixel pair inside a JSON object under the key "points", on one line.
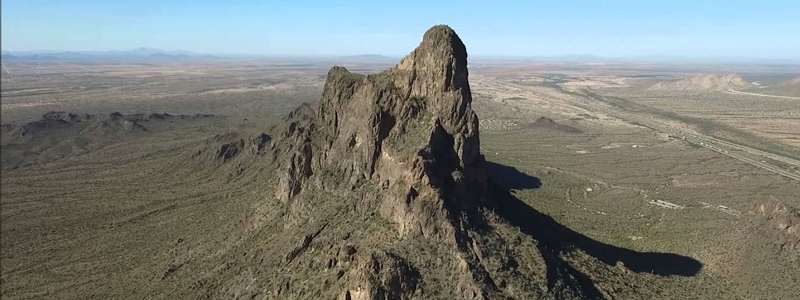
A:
{"points": [[369, 58], [590, 58], [138, 54], [160, 55], [153, 54]]}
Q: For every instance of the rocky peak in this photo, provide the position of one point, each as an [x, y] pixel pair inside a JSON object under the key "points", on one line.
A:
{"points": [[437, 72], [410, 129], [442, 55], [409, 133]]}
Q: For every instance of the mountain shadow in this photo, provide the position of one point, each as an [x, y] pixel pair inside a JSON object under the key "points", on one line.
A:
{"points": [[511, 178], [556, 238]]}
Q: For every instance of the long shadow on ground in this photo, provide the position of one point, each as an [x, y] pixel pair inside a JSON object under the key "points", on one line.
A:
{"points": [[556, 238]]}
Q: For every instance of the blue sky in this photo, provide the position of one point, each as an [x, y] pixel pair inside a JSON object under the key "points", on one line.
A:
{"points": [[716, 29]]}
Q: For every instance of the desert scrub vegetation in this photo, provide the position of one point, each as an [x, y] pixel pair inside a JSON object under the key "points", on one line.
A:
{"points": [[413, 136], [706, 126]]}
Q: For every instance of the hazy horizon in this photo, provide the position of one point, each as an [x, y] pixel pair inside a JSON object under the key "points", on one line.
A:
{"points": [[376, 57], [731, 30]]}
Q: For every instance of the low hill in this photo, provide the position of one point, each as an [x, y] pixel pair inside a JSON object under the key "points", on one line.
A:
{"points": [[60, 134], [547, 124], [709, 82]]}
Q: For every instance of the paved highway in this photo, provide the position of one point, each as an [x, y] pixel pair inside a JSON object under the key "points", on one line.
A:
{"points": [[733, 150], [724, 147]]}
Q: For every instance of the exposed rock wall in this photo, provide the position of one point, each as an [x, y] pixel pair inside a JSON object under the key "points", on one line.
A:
{"points": [[411, 131]]}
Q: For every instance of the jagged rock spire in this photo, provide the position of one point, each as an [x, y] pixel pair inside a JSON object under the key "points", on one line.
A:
{"points": [[410, 129]]}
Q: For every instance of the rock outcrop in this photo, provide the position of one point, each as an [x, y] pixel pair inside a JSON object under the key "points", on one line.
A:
{"points": [[382, 276], [411, 132], [409, 129], [783, 219]]}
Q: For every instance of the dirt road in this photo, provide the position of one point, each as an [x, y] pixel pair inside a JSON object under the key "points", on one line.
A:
{"points": [[732, 92]]}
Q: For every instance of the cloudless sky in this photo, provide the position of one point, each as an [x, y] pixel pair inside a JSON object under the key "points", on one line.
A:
{"points": [[696, 28]]}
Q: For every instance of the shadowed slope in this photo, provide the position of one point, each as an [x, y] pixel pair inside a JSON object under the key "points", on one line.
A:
{"points": [[558, 237]]}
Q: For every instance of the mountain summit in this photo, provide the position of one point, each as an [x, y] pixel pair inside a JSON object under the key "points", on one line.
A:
{"points": [[410, 129], [410, 132]]}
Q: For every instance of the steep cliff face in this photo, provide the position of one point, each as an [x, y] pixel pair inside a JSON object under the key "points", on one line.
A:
{"points": [[411, 132], [410, 129]]}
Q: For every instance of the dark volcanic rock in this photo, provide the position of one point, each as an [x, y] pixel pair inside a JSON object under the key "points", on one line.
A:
{"points": [[53, 120], [410, 130], [230, 150], [64, 116], [382, 276]]}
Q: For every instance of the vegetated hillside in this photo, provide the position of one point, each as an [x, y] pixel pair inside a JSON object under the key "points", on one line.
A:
{"points": [[60, 134], [376, 191], [705, 82]]}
